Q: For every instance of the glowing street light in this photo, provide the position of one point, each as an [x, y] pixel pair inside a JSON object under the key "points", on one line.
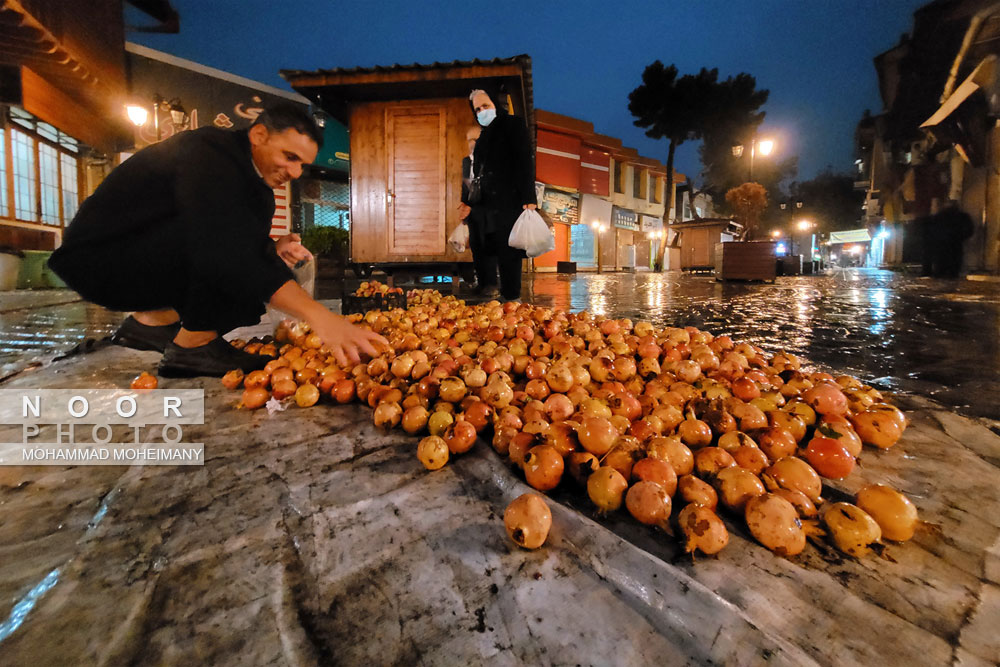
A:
{"points": [[137, 114], [803, 225], [764, 147], [776, 233]]}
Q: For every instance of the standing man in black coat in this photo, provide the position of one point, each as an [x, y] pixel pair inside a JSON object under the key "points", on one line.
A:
{"points": [[179, 234], [503, 157]]}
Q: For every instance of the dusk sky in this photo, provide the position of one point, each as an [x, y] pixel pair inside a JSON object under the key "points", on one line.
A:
{"points": [[815, 56]]}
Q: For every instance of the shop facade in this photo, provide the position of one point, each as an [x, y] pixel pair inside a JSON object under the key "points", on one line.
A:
{"points": [[604, 201], [61, 114]]}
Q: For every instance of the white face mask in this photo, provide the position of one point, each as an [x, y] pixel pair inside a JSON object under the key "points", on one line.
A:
{"points": [[486, 116]]}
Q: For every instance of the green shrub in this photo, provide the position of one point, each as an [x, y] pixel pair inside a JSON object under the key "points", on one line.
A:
{"points": [[326, 241]]}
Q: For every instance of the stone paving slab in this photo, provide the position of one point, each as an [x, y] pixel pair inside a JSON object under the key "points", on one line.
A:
{"points": [[311, 538]]}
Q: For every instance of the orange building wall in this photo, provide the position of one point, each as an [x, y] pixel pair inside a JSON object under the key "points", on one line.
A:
{"points": [[558, 170], [595, 181]]}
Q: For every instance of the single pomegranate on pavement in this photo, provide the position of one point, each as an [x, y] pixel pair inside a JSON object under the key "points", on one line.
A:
{"points": [[878, 428], [674, 452], [751, 458], [895, 513], [702, 529], [606, 488], [826, 398], [233, 379], [852, 529], [144, 381], [433, 452], [308, 394], [736, 487], [461, 436], [802, 504], [829, 458], [692, 490], [774, 522], [656, 470], [283, 389], [597, 435], [543, 467], [649, 503], [255, 397], [795, 474], [528, 521]]}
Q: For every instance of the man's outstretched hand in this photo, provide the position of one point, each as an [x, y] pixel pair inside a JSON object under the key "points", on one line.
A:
{"points": [[346, 340], [291, 251]]}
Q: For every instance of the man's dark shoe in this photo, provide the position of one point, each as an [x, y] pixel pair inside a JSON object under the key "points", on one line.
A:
{"points": [[488, 292], [213, 359], [132, 333]]}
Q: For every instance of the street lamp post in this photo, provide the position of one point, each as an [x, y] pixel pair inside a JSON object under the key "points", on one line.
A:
{"points": [[598, 229], [765, 146], [803, 226], [178, 116]]}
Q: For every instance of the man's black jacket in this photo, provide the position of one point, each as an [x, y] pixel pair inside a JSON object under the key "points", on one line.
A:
{"points": [[195, 204]]}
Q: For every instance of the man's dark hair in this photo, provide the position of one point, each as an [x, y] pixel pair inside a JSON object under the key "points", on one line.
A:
{"points": [[284, 116]]}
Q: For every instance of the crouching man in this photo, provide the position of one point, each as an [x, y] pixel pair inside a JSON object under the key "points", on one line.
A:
{"points": [[179, 234]]}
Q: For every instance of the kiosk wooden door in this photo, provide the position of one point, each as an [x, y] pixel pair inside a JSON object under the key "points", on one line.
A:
{"points": [[415, 146], [696, 248]]}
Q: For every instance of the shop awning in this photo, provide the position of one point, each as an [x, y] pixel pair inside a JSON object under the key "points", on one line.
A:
{"points": [[69, 62], [850, 236], [982, 77]]}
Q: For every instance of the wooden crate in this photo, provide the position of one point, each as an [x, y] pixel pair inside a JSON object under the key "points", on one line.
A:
{"points": [[362, 304], [745, 260]]}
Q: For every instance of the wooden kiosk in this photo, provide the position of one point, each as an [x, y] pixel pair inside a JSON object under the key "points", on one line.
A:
{"points": [[407, 127], [698, 239]]}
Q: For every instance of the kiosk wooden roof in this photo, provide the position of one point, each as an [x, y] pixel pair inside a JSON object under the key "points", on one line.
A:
{"points": [[333, 90]]}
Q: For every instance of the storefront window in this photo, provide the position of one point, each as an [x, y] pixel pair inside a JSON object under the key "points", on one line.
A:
{"points": [[48, 171], [44, 168], [24, 175], [71, 196]]}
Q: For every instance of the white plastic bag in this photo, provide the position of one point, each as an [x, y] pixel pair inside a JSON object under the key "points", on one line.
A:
{"points": [[459, 238], [531, 234]]}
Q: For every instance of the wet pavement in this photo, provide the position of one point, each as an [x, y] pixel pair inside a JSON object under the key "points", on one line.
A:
{"points": [[934, 338]]}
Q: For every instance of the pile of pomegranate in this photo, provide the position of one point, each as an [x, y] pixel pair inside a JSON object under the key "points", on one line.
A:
{"points": [[375, 288], [674, 424]]}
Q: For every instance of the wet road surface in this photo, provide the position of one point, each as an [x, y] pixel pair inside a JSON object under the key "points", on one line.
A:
{"points": [[934, 338]]}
